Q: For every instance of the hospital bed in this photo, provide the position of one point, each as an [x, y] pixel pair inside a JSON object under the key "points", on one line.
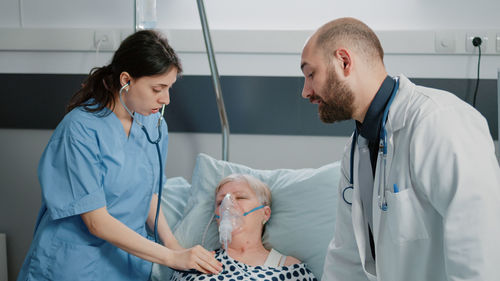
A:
{"points": [[303, 201], [303, 209]]}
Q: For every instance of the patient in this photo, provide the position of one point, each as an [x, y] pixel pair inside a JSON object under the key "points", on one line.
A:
{"points": [[243, 203]]}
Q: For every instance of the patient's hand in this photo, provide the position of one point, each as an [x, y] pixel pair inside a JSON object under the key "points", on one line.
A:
{"points": [[197, 258]]}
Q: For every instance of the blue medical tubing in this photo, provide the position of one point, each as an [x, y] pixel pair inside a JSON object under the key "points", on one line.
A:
{"points": [[383, 146], [254, 209], [383, 132], [246, 213]]}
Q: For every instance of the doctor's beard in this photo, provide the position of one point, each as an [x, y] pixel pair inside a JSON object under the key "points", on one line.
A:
{"points": [[337, 102]]}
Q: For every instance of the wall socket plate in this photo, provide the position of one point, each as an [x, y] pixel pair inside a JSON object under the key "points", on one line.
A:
{"points": [[468, 42], [104, 39]]}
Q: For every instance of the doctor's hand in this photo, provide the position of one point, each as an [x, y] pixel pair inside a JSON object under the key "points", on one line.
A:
{"points": [[197, 258]]}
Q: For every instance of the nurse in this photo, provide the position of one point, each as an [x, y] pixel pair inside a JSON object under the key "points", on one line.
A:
{"points": [[420, 192], [100, 175]]}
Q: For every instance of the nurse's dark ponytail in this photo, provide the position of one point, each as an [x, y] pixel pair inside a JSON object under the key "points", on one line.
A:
{"points": [[144, 53]]}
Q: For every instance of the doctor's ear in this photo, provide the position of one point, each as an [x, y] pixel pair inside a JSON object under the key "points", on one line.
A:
{"points": [[343, 58], [125, 78]]}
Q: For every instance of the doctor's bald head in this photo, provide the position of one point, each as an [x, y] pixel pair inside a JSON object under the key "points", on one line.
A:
{"points": [[352, 34], [343, 67]]}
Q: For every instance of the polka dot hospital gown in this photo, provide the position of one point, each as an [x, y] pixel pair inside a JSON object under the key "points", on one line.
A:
{"points": [[236, 271]]}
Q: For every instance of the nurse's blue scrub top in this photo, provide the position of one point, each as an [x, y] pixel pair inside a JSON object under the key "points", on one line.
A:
{"points": [[90, 163]]}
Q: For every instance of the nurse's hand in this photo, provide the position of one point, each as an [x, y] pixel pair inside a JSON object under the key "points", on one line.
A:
{"points": [[196, 258]]}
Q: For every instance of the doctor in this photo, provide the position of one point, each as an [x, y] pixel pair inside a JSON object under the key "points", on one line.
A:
{"points": [[420, 192], [100, 174]]}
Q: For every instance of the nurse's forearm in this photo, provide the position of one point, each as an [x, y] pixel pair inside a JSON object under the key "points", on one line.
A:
{"points": [[164, 232], [101, 224]]}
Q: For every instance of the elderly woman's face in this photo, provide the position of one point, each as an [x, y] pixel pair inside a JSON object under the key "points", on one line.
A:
{"points": [[245, 200]]}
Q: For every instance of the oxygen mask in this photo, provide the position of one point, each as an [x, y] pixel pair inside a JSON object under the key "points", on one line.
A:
{"points": [[230, 219]]}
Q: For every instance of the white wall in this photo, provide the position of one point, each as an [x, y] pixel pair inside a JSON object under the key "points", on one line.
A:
{"points": [[257, 14], [256, 151], [407, 36]]}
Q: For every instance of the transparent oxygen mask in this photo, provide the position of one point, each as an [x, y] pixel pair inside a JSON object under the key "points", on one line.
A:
{"points": [[231, 219]]}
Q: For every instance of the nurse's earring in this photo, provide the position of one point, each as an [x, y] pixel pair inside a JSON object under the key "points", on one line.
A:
{"points": [[264, 222]]}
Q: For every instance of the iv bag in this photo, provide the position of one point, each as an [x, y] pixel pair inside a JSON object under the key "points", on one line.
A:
{"points": [[145, 14]]}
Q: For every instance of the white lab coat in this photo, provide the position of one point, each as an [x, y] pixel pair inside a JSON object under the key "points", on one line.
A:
{"points": [[444, 224]]}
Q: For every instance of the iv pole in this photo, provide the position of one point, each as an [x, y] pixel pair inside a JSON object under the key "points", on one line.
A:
{"points": [[216, 82]]}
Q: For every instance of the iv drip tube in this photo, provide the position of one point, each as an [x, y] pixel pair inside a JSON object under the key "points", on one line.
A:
{"points": [[216, 82]]}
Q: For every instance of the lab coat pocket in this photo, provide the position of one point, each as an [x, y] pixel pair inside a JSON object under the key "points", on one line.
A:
{"points": [[405, 217], [74, 261]]}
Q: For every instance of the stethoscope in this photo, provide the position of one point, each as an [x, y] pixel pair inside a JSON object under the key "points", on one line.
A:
{"points": [[382, 154], [156, 143]]}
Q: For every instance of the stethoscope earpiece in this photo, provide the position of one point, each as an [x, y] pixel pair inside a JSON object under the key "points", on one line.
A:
{"points": [[124, 88]]}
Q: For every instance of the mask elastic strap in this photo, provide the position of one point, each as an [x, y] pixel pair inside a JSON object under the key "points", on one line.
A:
{"points": [[254, 209], [244, 214]]}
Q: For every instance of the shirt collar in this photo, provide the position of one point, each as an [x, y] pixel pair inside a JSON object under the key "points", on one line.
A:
{"points": [[370, 128]]}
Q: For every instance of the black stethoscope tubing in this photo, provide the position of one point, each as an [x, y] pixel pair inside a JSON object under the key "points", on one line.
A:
{"points": [[351, 165], [157, 144]]}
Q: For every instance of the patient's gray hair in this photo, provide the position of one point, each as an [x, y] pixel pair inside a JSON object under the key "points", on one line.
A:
{"points": [[260, 188]]}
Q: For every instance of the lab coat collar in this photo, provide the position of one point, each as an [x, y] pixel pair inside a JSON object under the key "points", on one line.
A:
{"points": [[400, 105], [370, 128]]}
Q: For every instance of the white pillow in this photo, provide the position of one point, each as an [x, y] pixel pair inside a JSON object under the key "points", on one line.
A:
{"points": [[302, 211], [174, 198]]}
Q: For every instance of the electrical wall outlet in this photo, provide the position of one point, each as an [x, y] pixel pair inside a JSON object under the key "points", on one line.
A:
{"points": [[470, 48], [104, 39]]}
